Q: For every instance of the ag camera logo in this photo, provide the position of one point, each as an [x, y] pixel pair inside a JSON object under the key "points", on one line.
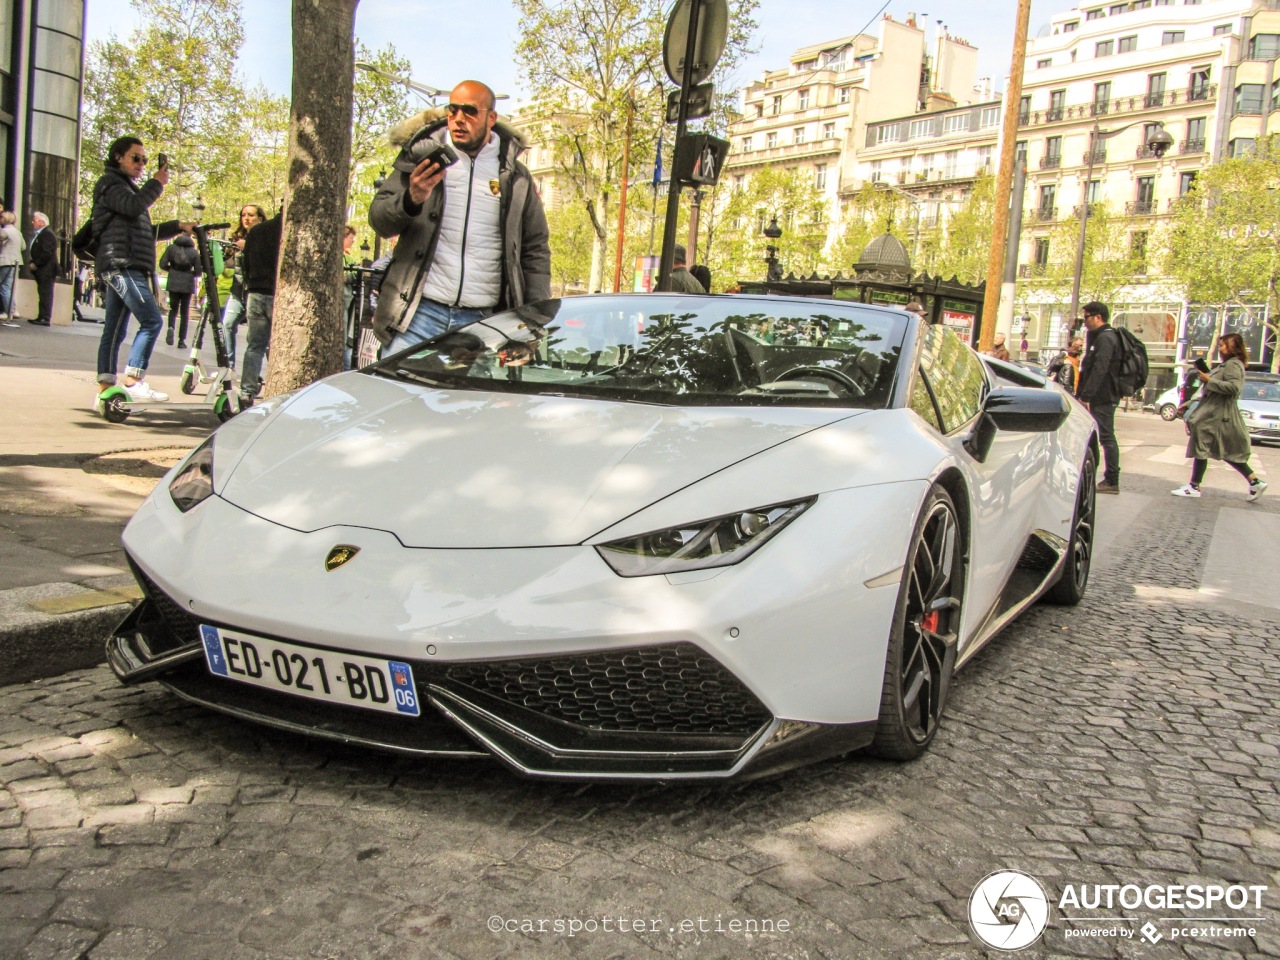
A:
{"points": [[1008, 910]]}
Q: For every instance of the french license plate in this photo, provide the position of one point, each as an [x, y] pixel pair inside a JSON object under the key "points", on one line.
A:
{"points": [[346, 678]]}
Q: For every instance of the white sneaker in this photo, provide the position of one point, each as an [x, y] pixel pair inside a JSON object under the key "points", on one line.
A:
{"points": [[1257, 489], [1187, 491], [141, 391], [97, 404]]}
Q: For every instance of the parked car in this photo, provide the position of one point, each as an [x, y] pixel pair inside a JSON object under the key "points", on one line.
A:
{"points": [[1259, 404], [619, 537]]}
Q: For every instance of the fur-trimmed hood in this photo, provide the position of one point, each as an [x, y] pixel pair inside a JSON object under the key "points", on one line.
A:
{"points": [[432, 118]]}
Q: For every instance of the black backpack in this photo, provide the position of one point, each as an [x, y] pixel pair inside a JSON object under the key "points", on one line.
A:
{"points": [[1132, 374], [84, 243]]}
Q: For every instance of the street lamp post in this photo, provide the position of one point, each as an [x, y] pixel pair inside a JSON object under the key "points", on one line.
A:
{"points": [[1157, 143], [773, 269]]}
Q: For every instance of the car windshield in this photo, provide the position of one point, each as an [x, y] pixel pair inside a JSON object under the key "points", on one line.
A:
{"points": [[659, 348], [1261, 390]]}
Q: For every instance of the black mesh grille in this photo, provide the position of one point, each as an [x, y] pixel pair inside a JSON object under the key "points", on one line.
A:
{"points": [[669, 689], [184, 626]]}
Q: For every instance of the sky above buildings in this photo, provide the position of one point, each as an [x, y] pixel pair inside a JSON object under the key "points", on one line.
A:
{"points": [[450, 40]]}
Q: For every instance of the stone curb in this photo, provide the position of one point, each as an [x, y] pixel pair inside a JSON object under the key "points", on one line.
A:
{"points": [[37, 643]]}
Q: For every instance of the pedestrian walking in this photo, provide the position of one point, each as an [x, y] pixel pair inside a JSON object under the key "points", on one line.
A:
{"points": [[1215, 427], [182, 263], [12, 247], [44, 266], [474, 235], [1099, 387], [126, 263], [998, 349], [682, 281]]}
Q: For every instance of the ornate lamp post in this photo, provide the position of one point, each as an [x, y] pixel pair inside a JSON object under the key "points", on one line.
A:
{"points": [[1158, 142], [772, 232]]}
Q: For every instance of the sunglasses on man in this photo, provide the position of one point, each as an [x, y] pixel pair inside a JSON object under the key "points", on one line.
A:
{"points": [[469, 109]]}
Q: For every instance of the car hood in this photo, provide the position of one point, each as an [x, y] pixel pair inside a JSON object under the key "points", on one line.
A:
{"points": [[470, 469]]}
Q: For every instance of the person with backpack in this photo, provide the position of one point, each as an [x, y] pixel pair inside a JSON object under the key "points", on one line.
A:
{"points": [[1099, 387], [1215, 426], [182, 265]]}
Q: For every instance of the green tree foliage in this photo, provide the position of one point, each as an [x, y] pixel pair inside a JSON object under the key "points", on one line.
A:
{"points": [[738, 248], [588, 62], [868, 215], [171, 84], [378, 105], [571, 240], [1223, 245], [1111, 259], [961, 247]]}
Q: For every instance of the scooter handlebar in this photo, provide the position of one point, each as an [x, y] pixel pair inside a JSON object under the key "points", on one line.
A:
{"points": [[213, 226]]}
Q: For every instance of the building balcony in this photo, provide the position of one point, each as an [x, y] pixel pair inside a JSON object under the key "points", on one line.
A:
{"points": [[1191, 146], [1026, 270], [1094, 208], [1118, 106], [1045, 214], [1140, 208], [1146, 153], [1097, 155], [1051, 162], [793, 151]]}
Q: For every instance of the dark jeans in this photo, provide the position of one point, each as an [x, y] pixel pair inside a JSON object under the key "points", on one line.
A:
{"points": [[259, 310], [179, 306], [1104, 414]]}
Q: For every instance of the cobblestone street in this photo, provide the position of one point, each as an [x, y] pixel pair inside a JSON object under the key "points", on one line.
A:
{"points": [[1131, 740]]}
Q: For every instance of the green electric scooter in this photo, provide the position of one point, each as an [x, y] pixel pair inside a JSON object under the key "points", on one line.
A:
{"points": [[115, 402]]}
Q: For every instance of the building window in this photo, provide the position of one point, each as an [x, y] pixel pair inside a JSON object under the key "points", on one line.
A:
{"points": [[919, 128], [738, 181], [1042, 255], [1275, 95], [1047, 62], [1094, 14], [1155, 89], [1047, 210], [1101, 98], [1071, 27], [1249, 98], [1240, 147], [746, 145], [956, 123], [1138, 249], [876, 170], [951, 164], [1264, 46], [990, 117], [820, 176], [1092, 191], [1119, 8], [1195, 135], [843, 96], [1127, 44], [798, 135], [771, 140], [1199, 86], [834, 59], [1173, 36], [1024, 109], [803, 95], [1141, 4], [828, 131], [1104, 48], [1057, 104], [984, 157], [1146, 195], [1222, 30], [1186, 180], [775, 107], [887, 133]]}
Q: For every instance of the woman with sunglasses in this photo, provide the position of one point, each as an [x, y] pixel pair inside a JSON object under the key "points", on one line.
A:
{"points": [[126, 263]]}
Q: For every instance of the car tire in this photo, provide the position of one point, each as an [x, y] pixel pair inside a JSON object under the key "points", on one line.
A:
{"points": [[1071, 584], [1169, 412], [922, 643]]}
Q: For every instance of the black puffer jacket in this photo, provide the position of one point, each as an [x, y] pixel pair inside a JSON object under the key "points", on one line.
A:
{"points": [[122, 222], [183, 263]]}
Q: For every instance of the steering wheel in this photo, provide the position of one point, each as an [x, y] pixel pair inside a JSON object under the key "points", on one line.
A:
{"points": [[847, 384]]}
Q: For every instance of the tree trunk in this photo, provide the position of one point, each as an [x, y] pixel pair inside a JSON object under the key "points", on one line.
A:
{"points": [[308, 326]]}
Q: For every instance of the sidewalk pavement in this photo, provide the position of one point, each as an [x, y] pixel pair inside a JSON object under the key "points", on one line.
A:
{"points": [[69, 481]]}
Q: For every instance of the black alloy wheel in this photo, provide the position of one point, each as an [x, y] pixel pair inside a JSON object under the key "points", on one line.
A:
{"points": [[1069, 590], [922, 647]]}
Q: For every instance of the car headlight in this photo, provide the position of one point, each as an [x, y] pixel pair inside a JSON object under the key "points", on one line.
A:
{"points": [[718, 542], [193, 484], [1249, 414]]}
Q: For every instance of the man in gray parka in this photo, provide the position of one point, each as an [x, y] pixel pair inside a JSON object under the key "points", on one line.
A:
{"points": [[473, 234]]}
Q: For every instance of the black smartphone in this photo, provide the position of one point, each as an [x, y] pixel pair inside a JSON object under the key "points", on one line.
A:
{"points": [[443, 154], [1200, 365], [162, 160]]}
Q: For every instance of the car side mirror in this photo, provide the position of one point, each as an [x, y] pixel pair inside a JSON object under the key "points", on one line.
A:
{"points": [[1016, 410]]}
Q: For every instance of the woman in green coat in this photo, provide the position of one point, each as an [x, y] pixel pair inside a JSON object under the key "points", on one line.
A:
{"points": [[1217, 430]]}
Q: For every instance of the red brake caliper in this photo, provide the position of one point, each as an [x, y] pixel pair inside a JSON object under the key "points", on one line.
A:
{"points": [[929, 621]]}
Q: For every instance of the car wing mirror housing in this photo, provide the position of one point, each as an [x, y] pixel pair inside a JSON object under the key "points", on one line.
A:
{"points": [[1016, 410]]}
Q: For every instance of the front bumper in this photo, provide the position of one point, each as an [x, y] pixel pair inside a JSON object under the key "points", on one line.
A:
{"points": [[661, 712]]}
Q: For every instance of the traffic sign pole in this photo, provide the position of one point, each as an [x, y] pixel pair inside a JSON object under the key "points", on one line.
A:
{"points": [[676, 188]]}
